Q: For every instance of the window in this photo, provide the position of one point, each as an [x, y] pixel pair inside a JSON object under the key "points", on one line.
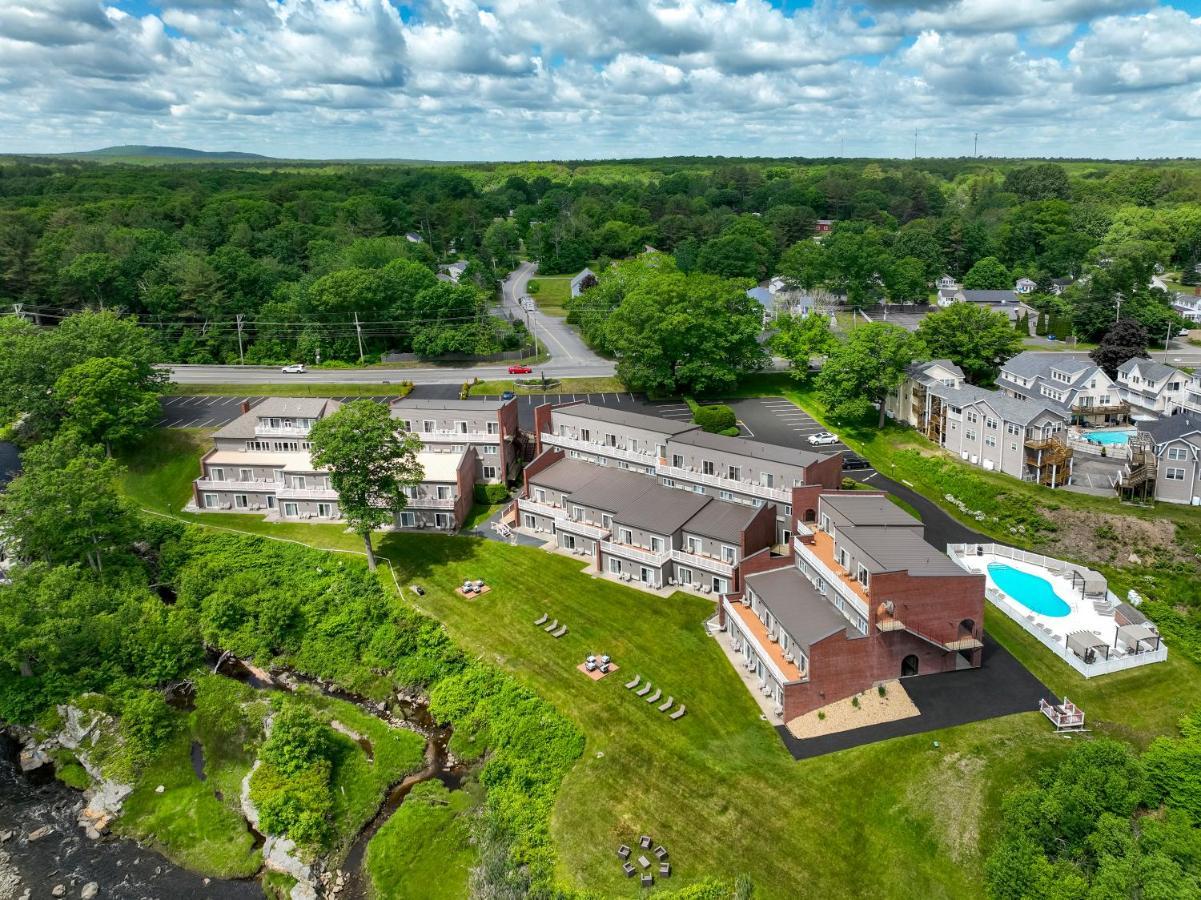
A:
{"points": [[325, 510], [441, 520], [494, 428], [1175, 475], [610, 440], [606, 520], [446, 492], [862, 576], [669, 482], [585, 434], [409, 520], [656, 544], [270, 502], [412, 491], [1010, 428], [245, 474], [490, 449], [626, 536], [217, 474], [990, 440], [428, 425], [970, 434], [990, 422], [692, 545], [1177, 453], [577, 513], [728, 554], [211, 501], [708, 468], [408, 425], [766, 479], [677, 461], [298, 482], [240, 501], [726, 495], [461, 427], [614, 565], [684, 576], [622, 464], [291, 509], [734, 473], [540, 495], [973, 417], [489, 473]]}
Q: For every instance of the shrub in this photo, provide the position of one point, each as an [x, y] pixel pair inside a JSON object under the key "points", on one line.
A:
{"points": [[146, 722], [715, 419], [883, 691], [491, 493], [855, 702], [298, 740]]}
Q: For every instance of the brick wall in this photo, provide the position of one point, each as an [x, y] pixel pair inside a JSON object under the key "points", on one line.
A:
{"points": [[541, 461], [827, 473]]}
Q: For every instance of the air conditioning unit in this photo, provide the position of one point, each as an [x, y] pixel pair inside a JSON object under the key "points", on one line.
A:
{"points": [[750, 663]]}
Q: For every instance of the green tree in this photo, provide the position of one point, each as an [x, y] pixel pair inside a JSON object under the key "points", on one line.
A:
{"points": [[501, 243], [988, 274], [106, 402], [800, 338], [855, 263], [369, 465], [865, 367], [905, 280], [976, 339], [803, 265], [1125, 340], [1044, 181], [64, 505]]}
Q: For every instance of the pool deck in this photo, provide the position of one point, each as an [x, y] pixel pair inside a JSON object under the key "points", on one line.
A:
{"points": [[1052, 631]]}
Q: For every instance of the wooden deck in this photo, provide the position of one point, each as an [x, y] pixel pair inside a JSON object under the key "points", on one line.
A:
{"points": [[749, 622]]}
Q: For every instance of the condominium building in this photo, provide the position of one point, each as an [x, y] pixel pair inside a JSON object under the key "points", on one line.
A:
{"points": [[634, 528], [489, 427], [1023, 438], [862, 599], [1070, 383], [260, 463], [1152, 388], [680, 455], [1165, 461]]}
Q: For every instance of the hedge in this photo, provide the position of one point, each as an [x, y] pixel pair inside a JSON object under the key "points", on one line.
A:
{"points": [[490, 494], [716, 418]]}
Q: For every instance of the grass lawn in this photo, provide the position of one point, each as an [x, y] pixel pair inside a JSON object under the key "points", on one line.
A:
{"points": [[480, 512], [551, 294], [424, 851], [904, 805], [599, 385], [288, 389]]}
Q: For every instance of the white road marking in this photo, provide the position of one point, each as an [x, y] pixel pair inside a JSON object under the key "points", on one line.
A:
{"points": [[215, 400], [747, 427]]}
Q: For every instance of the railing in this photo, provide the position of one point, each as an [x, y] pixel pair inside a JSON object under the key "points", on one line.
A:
{"points": [[780, 495], [762, 652], [567, 523], [831, 577], [266, 431], [646, 458], [703, 562], [1081, 409], [208, 484], [803, 530], [627, 552], [451, 437], [431, 503], [306, 493], [541, 509]]}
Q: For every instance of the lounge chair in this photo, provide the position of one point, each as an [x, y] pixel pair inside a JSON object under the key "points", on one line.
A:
{"points": [[562, 631], [552, 626], [661, 853], [665, 870], [541, 620], [629, 869], [644, 690], [654, 698], [666, 704], [645, 842], [630, 685], [647, 879], [623, 851], [679, 712]]}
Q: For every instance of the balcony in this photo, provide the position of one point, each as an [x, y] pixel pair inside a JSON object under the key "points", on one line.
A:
{"points": [[1109, 409], [779, 495], [784, 671], [430, 503], [209, 484], [646, 458], [541, 509], [281, 432], [457, 437], [708, 563], [596, 532], [306, 493], [637, 554], [820, 555]]}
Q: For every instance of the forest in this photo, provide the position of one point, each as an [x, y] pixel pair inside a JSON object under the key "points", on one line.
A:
{"points": [[272, 263]]}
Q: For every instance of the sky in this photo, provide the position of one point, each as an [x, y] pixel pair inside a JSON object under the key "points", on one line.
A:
{"points": [[591, 79]]}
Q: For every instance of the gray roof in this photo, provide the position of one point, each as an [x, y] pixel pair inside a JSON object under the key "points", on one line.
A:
{"points": [[282, 407], [566, 475], [987, 296], [449, 405], [793, 456], [1081, 641], [806, 615], [885, 549], [721, 521], [661, 510], [1171, 428], [610, 489], [581, 275], [849, 508], [623, 417], [1148, 368], [1039, 363], [1010, 409], [762, 296], [1132, 614]]}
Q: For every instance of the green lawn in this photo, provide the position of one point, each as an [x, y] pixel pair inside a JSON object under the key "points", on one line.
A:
{"points": [[551, 293], [424, 851], [598, 385], [906, 806]]}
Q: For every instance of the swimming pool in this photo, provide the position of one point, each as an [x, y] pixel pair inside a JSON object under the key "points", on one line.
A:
{"points": [[1108, 437], [1031, 591]]}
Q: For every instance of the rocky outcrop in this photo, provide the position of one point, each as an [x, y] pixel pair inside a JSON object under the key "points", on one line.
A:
{"points": [[80, 732]]}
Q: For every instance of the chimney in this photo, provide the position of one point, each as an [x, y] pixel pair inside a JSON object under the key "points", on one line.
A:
{"points": [[245, 407]]}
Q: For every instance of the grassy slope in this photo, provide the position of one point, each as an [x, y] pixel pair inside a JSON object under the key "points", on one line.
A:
{"points": [[905, 805], [551, 294], [596, 385]]}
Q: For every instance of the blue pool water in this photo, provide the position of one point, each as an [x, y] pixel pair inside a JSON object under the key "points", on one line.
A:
{"points": [[1108, 437], [1031, 591]]}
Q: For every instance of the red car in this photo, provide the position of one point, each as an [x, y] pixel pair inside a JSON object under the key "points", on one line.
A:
{"points": [[520, 370]]}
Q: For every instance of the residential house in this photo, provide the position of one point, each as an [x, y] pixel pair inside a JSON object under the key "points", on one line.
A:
{"points": [[489, 427], [947, 283], [823, 226], [1165, 461], [1059, 285], [680, 455], [413, 237], [445, 495], [452, 272], [1022, 438], [993, 299], [863, 599], [635, 529], [1070, 383], [764, 297], [1188, 306], [1025, 286], [1152, 388], [582, 281]]}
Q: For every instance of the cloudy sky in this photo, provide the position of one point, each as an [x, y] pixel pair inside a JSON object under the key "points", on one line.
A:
{"points": [[557, 79]]}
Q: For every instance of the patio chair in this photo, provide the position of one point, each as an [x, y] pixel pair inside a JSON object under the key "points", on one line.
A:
{"points": [[562, 631], [541, 620], [623, 851], [647, 879], [661, 853], [552, 626], [645, 842], [630, 685], [644, 690], [654, 698], [665, 870], [666, 704], [679, 712], [629, 869]]}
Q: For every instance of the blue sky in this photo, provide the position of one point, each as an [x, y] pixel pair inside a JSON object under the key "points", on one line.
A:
{"points": [[554, 79]]}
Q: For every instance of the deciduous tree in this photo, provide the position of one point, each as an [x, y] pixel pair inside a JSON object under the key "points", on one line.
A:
{"points": [[976, 339], [865, 367]]}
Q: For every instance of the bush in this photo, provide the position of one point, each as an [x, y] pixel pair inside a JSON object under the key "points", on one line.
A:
{"points": [[490, 494], [146, 722], [298, 740], [715, 419]]}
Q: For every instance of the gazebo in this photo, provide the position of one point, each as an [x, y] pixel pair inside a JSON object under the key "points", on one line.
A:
{"points": [[1137, 638], [1088, 645]]}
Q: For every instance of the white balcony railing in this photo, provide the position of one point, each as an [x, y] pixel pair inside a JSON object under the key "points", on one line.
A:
{"points": [[596, 532], [645, 458], [431, 503], [708, 563], [306, 493], [780, 495], [831, 577], [209, 484], [446, 436], [541, 509], [760, 651], [280, 431], [637, 554]]}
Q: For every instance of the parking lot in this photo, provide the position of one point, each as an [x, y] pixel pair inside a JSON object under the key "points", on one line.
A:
{"points": [[213, 412]]}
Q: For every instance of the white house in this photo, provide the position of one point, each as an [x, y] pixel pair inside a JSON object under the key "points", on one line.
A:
{"points": [[413, 237], [577, 283], [1152, 388], [1025, 286], [947, 283], [1071, 383]]}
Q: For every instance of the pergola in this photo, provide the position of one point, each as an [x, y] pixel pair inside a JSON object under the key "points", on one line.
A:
{"points": [[1081, 642], [1138, 637]]}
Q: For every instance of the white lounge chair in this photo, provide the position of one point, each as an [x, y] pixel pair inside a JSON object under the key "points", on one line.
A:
{"points": [[666, 704], [630, 685], [678, 713]]}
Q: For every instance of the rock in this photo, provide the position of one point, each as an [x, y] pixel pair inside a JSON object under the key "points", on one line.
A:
{"points": [[33, 758], [38, 833], [58, 890], [277, 856], [160, 789], [6, 836], [90, 890]]}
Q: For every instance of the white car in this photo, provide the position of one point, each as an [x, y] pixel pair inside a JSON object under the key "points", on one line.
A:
{"points": [[294, 369], [823, 438]]}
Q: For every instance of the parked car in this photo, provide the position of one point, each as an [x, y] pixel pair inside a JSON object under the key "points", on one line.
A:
{"points": [[519, 369], [294, 369], [822, 438], [507, 395], [851, 461]]}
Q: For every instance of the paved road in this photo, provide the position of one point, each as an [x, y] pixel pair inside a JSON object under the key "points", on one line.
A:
{"points": [[567, 349]]}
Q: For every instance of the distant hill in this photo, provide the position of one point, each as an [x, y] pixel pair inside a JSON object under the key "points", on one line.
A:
{"points": [[141, 151]]}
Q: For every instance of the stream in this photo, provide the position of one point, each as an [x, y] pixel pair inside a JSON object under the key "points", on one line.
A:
{"points": [[124, 869]]}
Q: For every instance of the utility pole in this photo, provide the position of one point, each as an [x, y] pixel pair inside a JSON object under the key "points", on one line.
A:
{"points": [[976, 145], [1118, 315], [915, 143], [241, 357], [358, 331]]}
